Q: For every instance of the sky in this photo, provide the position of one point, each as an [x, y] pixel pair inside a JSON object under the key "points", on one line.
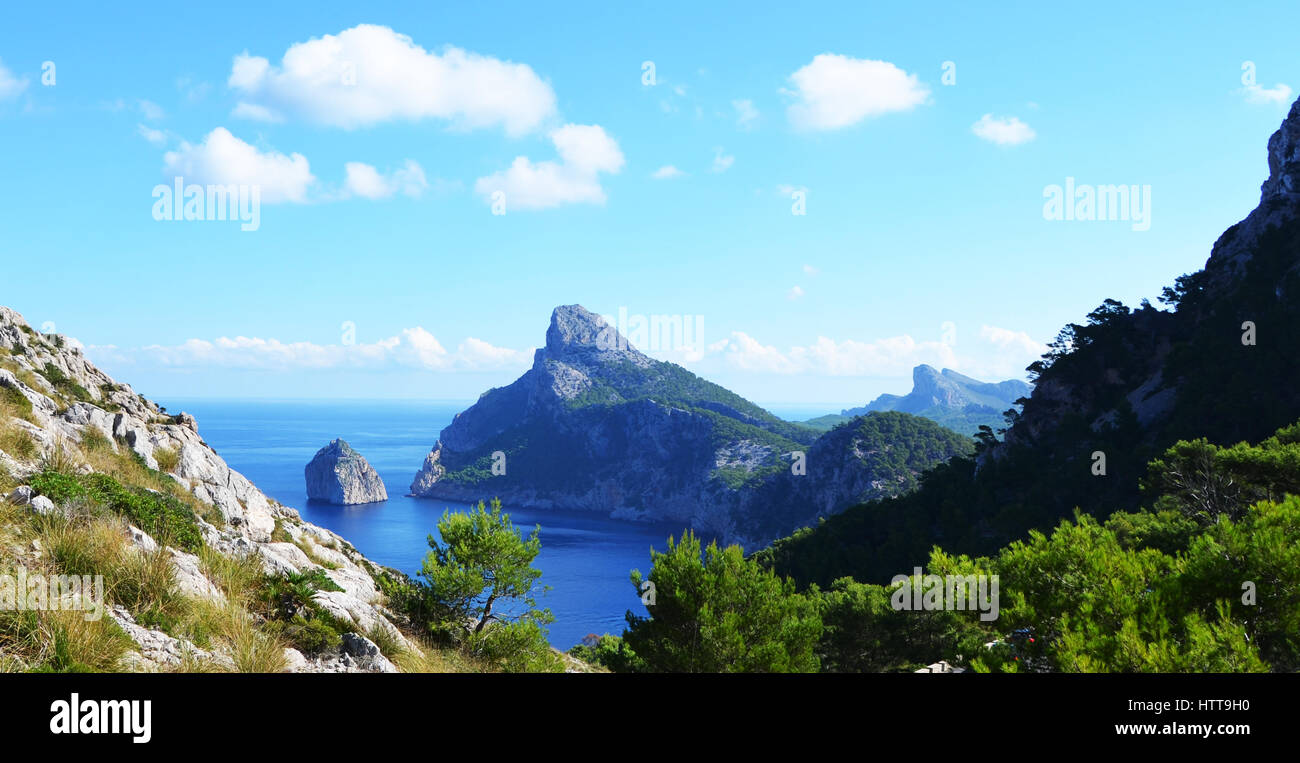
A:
{"points": [[822, 196]]}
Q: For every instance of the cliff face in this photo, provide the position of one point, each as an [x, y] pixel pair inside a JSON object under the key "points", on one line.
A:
{"points": [[64, 409], [599, 426]]}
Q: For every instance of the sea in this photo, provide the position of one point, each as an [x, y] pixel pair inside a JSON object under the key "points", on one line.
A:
{"points": [[586, 558]]}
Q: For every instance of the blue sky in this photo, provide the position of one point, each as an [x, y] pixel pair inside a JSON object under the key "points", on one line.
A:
{"points": [[378, 268]]}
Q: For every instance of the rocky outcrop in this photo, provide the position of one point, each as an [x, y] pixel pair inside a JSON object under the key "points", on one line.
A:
{"points": [[338, 474], [1279, 203], [74, 405]]}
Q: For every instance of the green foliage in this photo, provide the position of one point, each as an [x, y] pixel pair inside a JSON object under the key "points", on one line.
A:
{"points": [[864, 633], [64, 385], [311, 636], [610, 652], [476, 591], [161, 515], [1206, 482], [1208, 581], [718, 612], [482, 564], [58, 486], [300, 620]]}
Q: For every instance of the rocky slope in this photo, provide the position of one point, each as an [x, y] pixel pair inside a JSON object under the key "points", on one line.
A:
{"points": [[597, 425], [1123, 385], [340, 475], [947, 397], [59, 409]]}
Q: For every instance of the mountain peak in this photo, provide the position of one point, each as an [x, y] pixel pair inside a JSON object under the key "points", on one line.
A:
{"points": [[578, 335], [574, 325], [1283, 159], [1279, 204]]}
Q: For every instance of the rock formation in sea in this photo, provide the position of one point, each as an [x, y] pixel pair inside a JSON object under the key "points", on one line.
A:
{"points": [[340, 475]]}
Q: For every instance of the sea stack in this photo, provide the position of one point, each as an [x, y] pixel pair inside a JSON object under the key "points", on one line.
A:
{"points": [[340, 475]]}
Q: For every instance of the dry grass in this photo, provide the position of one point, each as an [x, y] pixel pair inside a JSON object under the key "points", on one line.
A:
{"points": [[427, 658], [142, 581], [238, 577], [235, 632], [61, 641], [168, 459], [15, 440]]}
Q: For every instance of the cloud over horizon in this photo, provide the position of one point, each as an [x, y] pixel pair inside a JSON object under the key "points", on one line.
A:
{"points": [[415, 348]]}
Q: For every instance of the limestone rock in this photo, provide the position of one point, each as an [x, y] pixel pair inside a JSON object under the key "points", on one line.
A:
{"points": [[340, 475]]}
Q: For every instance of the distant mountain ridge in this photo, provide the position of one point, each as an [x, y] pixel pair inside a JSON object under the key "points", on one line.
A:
{"points": [[597, 425], [952, 399]]}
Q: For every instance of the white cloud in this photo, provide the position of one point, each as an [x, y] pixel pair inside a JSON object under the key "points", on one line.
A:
{"points": [[795, 293], [223, 159], [371, 74], [411, 348], [366, 181], [1013, 340], [810, 270], [151, 110], [254, 112], [1004, 131], [895, 355], [10, 85], [585, 152], [835, 91], [1000, 354], [667, 172], [1279, 93], [746, 114], [721, 162], [157, 137]]}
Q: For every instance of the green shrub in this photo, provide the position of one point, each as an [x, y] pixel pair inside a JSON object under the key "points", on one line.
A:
{"points": [[58, 486], [311, 636], [162, 516], [65, 385]]}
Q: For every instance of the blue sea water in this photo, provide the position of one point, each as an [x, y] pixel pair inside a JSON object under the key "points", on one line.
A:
{"points": [[585, 558]]}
